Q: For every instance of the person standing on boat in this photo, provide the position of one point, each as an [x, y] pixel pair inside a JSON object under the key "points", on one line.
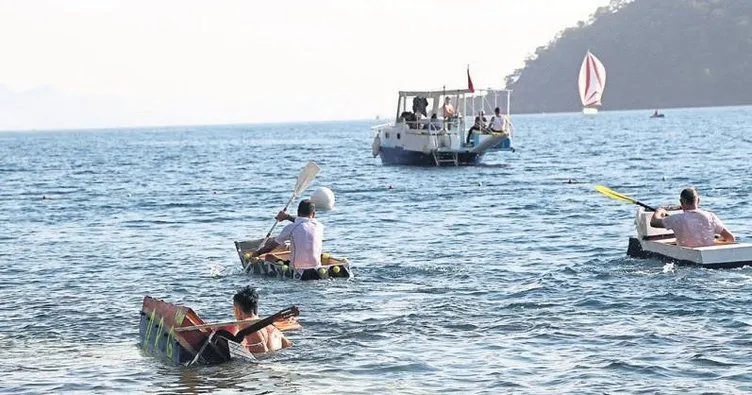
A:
{"points": [[693, 227], [305, 234], [448, 112], [434, 124], [245, 307], [498, 122]]}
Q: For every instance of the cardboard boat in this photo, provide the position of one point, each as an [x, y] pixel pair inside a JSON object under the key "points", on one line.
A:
{"points": [[661, 244], [178, 335], [277, 263]]}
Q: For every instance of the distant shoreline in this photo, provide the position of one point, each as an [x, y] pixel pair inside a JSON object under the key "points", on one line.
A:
{"points": [[336, 121]]}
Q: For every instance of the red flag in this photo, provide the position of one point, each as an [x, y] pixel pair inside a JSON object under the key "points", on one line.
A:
{"points": [[469, 81]]}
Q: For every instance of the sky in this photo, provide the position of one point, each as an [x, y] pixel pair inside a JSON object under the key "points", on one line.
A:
{"points": [[108, 63]]}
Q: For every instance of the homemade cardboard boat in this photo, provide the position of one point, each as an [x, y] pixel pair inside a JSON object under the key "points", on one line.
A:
{"points": [[178, 335], [277, 263], [660, 243]]}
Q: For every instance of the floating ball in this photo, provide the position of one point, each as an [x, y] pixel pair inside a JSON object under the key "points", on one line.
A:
{"points": [[325, 256], [322, 271], [323, 198], [280, 262], [335, 269], [285, 268], [247, 256]]}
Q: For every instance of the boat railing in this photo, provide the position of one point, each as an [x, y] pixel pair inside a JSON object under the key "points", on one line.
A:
{"points": [[425, 124]]}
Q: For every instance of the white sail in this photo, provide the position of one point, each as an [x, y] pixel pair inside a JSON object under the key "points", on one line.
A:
{"points": [[592, 81]]}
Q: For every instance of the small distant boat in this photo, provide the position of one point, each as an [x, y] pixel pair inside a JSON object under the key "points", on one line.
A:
{"points": [[661, 244], [656, 114], [265, 265], [415, 139], [592, 83]]}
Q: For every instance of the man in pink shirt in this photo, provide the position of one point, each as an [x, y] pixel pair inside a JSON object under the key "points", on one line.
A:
{"points": [[693, 227], [305, 234]]}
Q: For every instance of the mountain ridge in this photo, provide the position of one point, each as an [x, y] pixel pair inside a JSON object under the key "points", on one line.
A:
{"points": [[657, 54]]}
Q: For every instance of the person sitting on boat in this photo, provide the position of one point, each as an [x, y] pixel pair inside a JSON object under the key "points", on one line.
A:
{"points": [[483, 120], [447, 110], [245, 307], [434, 124], [498, 122], [693, 227], [476, 128], [410, 119], [305, 234]]}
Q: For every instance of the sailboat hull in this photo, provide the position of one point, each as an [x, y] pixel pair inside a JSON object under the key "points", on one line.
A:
{"points": [[589, 111]]}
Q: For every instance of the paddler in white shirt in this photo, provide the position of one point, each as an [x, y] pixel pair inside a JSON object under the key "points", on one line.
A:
{"points": [[305, 234]]}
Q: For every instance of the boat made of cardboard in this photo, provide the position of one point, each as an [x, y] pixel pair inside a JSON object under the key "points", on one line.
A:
{"points": [[277, 263], [178, 335], [661, 244]]}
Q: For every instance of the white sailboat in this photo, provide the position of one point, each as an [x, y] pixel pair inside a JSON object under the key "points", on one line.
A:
{"points": [[592, 82]]}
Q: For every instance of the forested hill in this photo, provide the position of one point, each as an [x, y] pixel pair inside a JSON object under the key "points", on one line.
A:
{"points": [[657, 54]]}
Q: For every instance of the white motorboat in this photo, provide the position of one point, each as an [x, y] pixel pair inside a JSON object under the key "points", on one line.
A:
{"points": [[416, 139]]}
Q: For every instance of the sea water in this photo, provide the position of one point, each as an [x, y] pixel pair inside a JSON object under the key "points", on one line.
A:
{"points": [[509, 277]]}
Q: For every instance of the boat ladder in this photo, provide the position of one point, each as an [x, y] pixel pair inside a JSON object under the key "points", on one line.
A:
{"points": [[445, 157]]}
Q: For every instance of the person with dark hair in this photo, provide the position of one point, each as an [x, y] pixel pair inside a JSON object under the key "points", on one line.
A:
{"points": [[498, 123], [693, 227], [245, 307], [305, 234], [477, 128]]}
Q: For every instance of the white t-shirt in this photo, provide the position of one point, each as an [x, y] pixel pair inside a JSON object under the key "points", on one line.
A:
{"points": [[497, 123], [694, 228], [305, 235]]}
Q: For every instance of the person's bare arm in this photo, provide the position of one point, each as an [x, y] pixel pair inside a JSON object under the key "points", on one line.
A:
{"points": [[656, 220], [727, 236], [285, 342], [271, 244]]}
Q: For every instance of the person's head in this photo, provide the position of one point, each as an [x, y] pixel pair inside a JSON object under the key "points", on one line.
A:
{"points": [[689, 199], [497, 111], [245, 303], [477, 121], [306, 208], [447, 100]]}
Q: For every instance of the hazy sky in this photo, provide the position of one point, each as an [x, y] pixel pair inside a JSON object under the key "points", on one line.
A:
{"points": [[92, 63]]}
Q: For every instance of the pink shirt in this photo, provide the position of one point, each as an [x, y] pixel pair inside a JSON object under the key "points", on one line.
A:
{"points": [[305, 235], [694, 228]]}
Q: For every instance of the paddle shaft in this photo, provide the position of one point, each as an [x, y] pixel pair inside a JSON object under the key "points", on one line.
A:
{"points": [[261, 324], [269, 233], [218, 325], [641, 204]]}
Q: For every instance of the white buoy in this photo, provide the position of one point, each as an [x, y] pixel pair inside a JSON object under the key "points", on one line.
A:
{"points": [[323, 198]]}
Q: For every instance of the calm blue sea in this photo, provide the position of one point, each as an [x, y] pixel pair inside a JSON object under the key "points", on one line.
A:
{"points": [[501, 278]]}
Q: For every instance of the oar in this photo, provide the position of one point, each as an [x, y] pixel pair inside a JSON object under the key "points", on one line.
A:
{"points": [[618, 196], [283, 314], [285, 324], [305, 178]]}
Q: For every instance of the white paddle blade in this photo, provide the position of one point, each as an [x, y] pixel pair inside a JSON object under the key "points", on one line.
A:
{"points": [[306, 177]]}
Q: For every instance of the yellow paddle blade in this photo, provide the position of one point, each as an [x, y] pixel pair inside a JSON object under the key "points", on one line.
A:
{"points": [[613, 194]]}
